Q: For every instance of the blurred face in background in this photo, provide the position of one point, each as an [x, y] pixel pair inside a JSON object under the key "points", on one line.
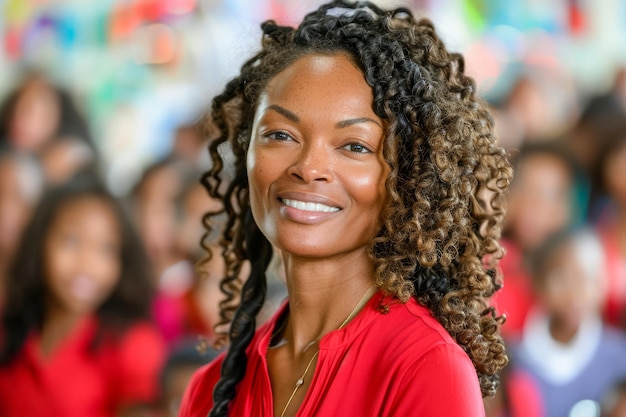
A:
{"points": [[540, 200], [196, 202], [567, 291], [157, 217], [36, 116], [82, 255]]}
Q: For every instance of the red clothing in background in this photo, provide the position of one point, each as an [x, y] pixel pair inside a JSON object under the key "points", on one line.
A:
{"points": [[516, 297], [78, 382], [396, 364], [615, 273], [178, 317], [524, 396]]}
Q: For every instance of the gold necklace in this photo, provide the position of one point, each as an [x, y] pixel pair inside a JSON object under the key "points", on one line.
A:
{"points": [[364, 299]]}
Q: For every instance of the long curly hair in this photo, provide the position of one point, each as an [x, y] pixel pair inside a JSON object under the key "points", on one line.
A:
{"points": [[24, 310], [439, 236]]}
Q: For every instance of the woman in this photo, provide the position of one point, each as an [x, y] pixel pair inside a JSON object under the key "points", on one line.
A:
{"points": [[364, 155]]}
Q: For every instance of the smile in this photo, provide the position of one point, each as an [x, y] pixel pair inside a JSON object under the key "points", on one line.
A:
{"points": [[306, 206]]}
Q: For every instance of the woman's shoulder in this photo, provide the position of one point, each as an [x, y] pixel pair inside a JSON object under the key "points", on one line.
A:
{"points": [[425, 362], [409, 330], [412, 323]]}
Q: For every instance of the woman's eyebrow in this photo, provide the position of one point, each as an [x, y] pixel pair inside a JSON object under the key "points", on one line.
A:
{"points": [[340, 125], [283, 111], [350, 122]]}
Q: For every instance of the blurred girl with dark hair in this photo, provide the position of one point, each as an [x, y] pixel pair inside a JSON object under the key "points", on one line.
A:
{"points": [[37, 112], [75, 330]]}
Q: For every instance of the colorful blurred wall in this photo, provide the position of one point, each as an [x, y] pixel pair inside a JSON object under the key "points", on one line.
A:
{"points": [[140, 68]]}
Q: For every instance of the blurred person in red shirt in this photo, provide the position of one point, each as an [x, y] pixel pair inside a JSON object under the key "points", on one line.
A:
{"points": [[541, 200], [567, 348], [169, 204], [76, 340]]}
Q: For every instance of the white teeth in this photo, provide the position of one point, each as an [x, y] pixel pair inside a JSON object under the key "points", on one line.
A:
{"points": [[301, 205]]}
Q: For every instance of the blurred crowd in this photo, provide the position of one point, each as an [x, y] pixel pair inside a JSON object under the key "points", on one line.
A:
{"points": [[563, 277], [125, 279]]}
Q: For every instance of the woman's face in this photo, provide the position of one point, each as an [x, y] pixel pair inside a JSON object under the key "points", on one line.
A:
{"points": [[315, 164], [82, 255]]}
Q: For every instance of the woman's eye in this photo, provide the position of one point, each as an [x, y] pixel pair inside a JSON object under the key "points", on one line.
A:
{"points": [[357, 148], [278, 135]]}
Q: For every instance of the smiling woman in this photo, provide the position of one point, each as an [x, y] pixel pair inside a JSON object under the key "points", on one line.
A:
{"points": [[363, 154]]}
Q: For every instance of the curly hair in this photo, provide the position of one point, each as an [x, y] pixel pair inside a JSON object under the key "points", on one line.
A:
{"points": [[26, 290], [439, 236]]}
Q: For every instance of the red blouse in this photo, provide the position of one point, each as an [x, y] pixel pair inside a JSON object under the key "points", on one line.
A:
{"points": [[78, 382], [393, 359]]}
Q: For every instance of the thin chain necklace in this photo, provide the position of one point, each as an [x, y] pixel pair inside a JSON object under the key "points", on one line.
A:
{"points": [[364, 299]]}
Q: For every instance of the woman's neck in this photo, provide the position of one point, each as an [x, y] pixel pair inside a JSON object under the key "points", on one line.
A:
{"points": [[322, 294]]}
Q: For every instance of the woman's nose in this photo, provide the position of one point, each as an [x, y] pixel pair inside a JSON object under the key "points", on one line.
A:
{"points": [[313, 163]]}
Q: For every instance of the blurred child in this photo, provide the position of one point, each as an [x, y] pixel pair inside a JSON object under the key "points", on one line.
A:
{"points": [[189, 144], [185, 302], [76, 340], [194, 203], [156, 213], [541, 200], [36, 113], [566, 346]]}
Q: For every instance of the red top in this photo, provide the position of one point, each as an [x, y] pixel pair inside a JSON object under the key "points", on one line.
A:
{"points": [[397, 362], [77, 382]]}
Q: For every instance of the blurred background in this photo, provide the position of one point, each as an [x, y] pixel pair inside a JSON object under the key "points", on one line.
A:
{"points": [[115, 87], [138, 69]]}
